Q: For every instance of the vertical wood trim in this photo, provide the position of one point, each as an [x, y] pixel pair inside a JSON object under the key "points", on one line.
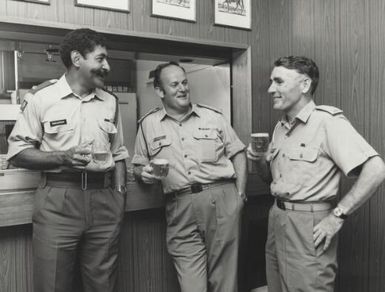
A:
{"points": [[241, 97]]}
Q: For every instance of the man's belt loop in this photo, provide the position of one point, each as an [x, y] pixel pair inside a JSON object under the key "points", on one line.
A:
{"points": [[84, 180], [43, 180]]}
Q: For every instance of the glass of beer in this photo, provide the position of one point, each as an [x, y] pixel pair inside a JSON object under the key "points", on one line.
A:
{"points": [[100, 151], [159, 167], [260, 142]]}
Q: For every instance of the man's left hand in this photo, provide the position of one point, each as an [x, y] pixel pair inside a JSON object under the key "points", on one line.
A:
{"points": [[326, 230]]}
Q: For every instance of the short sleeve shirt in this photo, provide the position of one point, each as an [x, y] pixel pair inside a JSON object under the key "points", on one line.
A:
{"points": [[198, 148], [56, 119], [309, 155]]}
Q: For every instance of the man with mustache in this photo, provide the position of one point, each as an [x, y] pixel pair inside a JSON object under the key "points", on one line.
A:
{"points": [[80, 202], [312, 146], [205, 186]]}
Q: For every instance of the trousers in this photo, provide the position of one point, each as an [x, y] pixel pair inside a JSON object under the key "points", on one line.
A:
{"points": [[203, 233], [72, 225], [293, 264]]}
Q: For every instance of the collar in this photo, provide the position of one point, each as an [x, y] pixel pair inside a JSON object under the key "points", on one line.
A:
{"points": [[302, 116], [65, 91], [194, 110]]}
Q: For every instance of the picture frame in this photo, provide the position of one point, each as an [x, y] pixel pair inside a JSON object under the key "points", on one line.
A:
{"points": [[114, 5], [46, 2], [176, 9], [234, 13]]}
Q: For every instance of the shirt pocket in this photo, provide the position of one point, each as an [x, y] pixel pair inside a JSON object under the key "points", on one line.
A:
{"points": [[207, 141], [107, 130], [156, 147], [303, 164], [305, 154], [108, 127]]}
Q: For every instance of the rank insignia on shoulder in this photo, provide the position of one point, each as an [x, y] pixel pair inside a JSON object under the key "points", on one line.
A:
{"points": [[23, 105]]}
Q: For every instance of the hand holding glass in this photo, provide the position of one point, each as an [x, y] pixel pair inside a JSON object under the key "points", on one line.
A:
{"points": [[259, 142], [100, 151], [159, 167]]}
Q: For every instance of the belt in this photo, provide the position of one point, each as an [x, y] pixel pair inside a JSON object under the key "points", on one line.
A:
{"points": [[80, 180], [304, 206], [197, 188]]}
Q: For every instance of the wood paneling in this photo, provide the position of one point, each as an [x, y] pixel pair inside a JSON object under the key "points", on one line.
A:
{"points": [[346, 39]]}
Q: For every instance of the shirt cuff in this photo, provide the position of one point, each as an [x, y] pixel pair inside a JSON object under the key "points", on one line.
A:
{"points": [[138, 159], [234, 148], [348, 171], [121, 154]]}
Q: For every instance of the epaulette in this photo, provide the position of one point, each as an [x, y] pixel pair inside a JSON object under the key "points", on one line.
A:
{"points": [[209, 107], [329, 109], [111, 93], [42, 85], [154, 110]]}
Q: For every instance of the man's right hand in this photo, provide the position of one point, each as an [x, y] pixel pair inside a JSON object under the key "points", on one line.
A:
{"points": [[258, 156], [147, 176], [78, 156]]}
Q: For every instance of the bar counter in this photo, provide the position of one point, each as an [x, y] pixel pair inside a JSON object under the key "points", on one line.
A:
{"points": [[144, 264]]}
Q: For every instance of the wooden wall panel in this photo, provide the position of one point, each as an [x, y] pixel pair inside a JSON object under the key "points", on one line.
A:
{"points": [[345, 37]]}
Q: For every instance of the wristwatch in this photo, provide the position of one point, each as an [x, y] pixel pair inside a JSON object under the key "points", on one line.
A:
{"points": [[338, 212], [121, 189]]}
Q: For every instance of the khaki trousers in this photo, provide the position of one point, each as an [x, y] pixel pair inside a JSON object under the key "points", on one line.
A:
{"points": [[293, 264], [70, 223], [203, 232]]}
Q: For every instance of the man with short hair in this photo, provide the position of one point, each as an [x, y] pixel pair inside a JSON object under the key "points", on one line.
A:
{"points": [[80, 202], [205, 186], [311, 147]]}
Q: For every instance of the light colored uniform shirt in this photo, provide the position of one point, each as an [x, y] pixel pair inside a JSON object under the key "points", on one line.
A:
{"points": [[198, 148], [56, 119], [309, 155]]}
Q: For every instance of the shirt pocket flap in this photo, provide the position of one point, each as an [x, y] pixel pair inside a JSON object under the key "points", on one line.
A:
{"points": [[155, 145], [205, 134], [308, 154], [273, 153], [108, 127]]}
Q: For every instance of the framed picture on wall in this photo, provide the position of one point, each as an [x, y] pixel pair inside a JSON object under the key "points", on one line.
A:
{"points": [[117, 5], [235, 13], [179, 9], [37, 1]]}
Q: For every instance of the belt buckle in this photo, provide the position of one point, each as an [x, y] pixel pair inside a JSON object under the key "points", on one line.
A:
{"points": [[281, 205], [196, 188]]}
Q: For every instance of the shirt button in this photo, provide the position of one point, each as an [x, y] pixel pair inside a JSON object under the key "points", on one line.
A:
{"points": [[180, 125], [182, 139], [189, 173], [185, 156], [283, 154]]}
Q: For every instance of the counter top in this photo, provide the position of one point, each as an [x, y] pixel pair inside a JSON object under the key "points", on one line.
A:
{"points": [[17, 188]]}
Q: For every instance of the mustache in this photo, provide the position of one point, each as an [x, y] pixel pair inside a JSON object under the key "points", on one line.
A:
{"points": [[100, 72]]}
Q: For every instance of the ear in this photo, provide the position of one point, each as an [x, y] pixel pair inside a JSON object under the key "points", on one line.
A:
{"points": [[159, 91], [306, 85], [76, 57]]}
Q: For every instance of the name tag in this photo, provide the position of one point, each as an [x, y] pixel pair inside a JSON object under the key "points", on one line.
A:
{"points": [[58, 123], [159, 138]]}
